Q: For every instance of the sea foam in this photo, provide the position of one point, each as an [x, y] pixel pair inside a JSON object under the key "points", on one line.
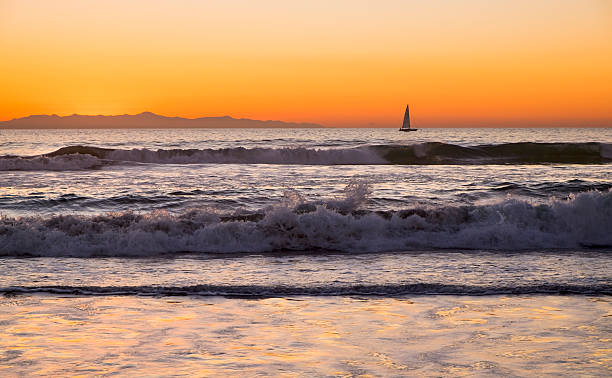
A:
{"points": [[45, 163], [581, 221]]}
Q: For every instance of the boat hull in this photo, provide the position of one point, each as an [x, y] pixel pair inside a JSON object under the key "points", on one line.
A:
{"points": [[408, 129]]}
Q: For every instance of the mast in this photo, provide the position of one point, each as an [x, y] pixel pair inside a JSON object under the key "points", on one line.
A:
{"points": [[406, 124]]}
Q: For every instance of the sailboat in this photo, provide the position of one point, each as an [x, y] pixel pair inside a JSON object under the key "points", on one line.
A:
{"points": [[406, 124]]}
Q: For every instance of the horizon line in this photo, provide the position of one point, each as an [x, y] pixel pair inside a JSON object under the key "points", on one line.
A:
{"points": [[496, 124]]}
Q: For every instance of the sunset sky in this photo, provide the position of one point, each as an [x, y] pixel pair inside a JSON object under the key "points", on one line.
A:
{"points": [[338, 63]]}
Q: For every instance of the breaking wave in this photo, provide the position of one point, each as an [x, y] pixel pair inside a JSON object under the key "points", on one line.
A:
{"points": [[581, 221], [50, 163], [88, 157]]}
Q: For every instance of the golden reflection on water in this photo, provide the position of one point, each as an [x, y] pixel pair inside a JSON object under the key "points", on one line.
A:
{"points": [[338, 336]]}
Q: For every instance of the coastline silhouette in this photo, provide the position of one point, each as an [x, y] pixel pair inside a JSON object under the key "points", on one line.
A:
{"points": [[143, 120]]}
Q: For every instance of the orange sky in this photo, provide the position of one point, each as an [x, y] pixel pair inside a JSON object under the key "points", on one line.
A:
{"points": [[338, 63]]}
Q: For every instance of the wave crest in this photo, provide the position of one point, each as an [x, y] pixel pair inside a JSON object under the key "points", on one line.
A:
{"points": [[507, 153], [50, 163]]}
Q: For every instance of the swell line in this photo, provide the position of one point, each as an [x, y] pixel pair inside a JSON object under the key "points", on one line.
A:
{"points": [[254, 291], [428, 153]]}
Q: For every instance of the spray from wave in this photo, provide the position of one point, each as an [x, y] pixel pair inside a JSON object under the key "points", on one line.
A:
{"points": [[88, 157], [582, 221]]}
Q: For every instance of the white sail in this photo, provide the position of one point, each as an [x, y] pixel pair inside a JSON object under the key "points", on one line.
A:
{"points": [[406, 124]]}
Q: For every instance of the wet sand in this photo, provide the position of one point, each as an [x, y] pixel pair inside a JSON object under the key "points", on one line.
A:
{"points": [[306, 336]]}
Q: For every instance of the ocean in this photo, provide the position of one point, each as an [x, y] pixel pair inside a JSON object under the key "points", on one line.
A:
{"points": [[306, 252]]}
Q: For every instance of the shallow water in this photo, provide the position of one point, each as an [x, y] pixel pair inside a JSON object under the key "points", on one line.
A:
{"points": [[303, 336]]}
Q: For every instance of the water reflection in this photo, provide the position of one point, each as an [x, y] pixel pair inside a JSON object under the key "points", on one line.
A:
{"points": [[305, 336]]}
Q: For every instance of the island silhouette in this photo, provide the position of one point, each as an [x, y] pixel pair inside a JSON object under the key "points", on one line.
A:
{"points": [[143, 120]]}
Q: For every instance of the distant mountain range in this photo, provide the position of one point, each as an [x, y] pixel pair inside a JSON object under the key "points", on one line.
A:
{"points": [[142, 120]]}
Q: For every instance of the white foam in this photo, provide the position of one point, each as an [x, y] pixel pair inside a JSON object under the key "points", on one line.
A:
{"points": [[511, 224], [44, 163]]}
